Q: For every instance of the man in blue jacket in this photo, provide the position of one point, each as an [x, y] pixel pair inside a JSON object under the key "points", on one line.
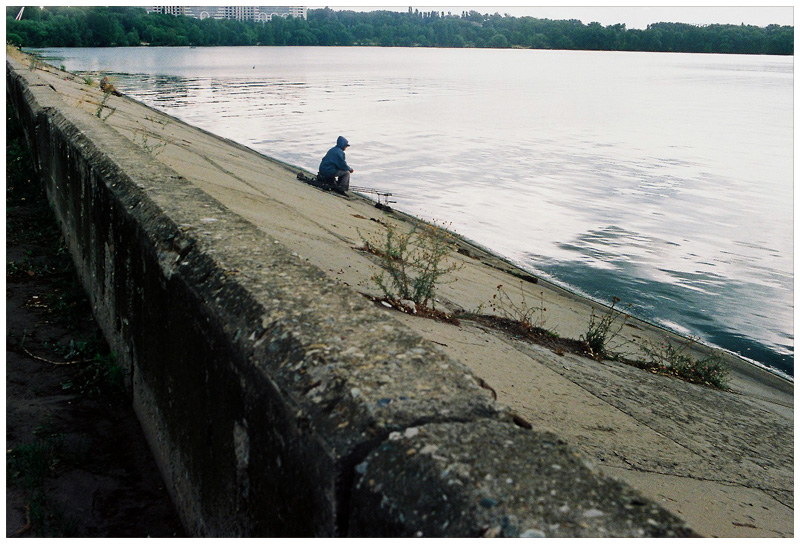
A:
{"points": [[334, 169]]}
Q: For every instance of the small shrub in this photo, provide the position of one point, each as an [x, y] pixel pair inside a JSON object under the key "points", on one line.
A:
{"points": [[665, 358], [153, 146], [414, 262], [102, 106], [521, 312], [603, 330]]}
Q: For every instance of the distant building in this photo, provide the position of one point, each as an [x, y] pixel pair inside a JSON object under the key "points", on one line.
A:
{"points": [[239, 13]]}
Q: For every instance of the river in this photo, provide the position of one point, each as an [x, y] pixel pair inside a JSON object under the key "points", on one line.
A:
{"points": [[663, 179]]}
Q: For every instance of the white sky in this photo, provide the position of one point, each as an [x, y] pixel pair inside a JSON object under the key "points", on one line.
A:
{"points": [[633, 16]]}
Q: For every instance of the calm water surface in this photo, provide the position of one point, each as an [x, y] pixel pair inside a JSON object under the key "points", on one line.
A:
{"points": [[663, 179]]}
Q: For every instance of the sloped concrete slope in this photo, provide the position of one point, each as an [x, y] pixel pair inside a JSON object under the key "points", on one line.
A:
{"points": [[277, 401]]}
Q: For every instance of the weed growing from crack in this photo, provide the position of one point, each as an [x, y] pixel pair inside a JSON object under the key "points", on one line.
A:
{"points": [[665, 358], [532, 317], [102, 106], [413, 263], [153, 146], [602, 330]]}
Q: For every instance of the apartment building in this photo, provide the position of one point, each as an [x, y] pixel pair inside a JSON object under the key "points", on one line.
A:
{"points": [[240, 13]]}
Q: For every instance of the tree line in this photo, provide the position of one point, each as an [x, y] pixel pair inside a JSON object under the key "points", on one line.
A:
{"points": [[133, 26]]}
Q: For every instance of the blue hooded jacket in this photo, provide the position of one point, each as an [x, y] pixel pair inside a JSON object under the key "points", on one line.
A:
{"points": [[334, 162]]}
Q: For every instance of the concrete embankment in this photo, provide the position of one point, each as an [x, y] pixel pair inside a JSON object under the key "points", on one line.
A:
{"points": [[277, 401], [721, 460]]}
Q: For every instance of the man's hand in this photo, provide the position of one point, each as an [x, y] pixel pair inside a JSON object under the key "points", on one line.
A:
{"points": [[351, 170]]}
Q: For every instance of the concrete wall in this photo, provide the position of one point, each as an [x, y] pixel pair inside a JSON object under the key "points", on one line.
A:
{"points": [[276, 401]]}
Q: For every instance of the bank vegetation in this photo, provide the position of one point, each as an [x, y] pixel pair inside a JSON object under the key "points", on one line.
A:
{"points": [[133, 26]]}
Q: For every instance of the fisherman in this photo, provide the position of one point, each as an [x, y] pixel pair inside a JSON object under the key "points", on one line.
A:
{"points": [[107, 87], [333, 169]]}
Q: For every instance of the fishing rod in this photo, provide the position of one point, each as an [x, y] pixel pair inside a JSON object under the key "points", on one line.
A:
{"points": [[383, 198], [378, 194]]}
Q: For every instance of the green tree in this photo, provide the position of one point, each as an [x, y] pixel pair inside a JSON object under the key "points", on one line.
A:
{"points": [[13, 39], [132, 38], [104, 29], [498, 41], [302, 37], [364, 33], [59, 26]]}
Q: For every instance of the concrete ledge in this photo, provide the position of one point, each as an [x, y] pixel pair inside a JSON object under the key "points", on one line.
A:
{"points": [[490, 478], [262, 385]]}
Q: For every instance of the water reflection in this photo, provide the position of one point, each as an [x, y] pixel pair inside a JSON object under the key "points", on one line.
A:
{"points": [[690, 305], [227, 98]]}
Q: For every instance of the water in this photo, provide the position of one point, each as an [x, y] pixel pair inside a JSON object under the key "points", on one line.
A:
{"points": [[663, 179]]}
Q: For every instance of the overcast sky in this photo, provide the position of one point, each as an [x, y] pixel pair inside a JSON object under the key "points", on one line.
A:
{"points": [[633, 16]]}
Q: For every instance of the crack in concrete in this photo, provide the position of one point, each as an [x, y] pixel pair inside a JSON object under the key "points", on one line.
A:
{"points": [[768, 490]]}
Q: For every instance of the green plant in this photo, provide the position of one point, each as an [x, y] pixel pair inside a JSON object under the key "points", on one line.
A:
{"points": [[142, 137], [602, 330], [665, 358], [89, 80], [29, 465], [49, 518], [102, 375], [34, 265], [102, 106], [413, 261], [34, 61], [521, 312]]}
